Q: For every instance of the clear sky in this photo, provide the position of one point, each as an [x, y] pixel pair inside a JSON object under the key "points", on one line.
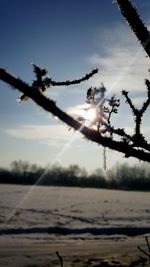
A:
{"points": [[69, 37]]}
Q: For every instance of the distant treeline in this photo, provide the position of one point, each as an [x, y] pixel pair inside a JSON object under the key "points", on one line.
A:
{"points": [[122, 177]]}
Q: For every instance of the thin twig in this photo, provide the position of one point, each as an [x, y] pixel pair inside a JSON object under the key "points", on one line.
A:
{"points": [[76, 81], [60, 258], [143, 251], [129, 101], [148, 245], [50, 106]]}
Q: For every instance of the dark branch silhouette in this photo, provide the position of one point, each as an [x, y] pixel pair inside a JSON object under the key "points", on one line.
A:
{"points": [[135, 22], [50, 106], [43, 83], [130, 145], [146, 253], [60, 259]]}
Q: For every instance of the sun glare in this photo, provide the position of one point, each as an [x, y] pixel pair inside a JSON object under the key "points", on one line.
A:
{"points": [[87, 113], [90, 114]]}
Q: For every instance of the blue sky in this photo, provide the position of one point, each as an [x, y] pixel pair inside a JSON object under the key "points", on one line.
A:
{"points": [[70, 38]]}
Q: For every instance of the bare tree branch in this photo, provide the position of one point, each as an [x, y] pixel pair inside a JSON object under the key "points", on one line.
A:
{"points": [[138, 139], [130, 145], [147, 103], [43, 83], [129, 101], [76, 81], [135, 22], [90, 134], [129, 138]]}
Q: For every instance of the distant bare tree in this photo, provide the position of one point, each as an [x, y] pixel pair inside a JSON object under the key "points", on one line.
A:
{"points": [[130, 145]]}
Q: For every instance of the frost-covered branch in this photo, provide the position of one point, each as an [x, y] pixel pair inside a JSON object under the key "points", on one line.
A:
{"points": [[130, 145], [42, 83], [130, 14], [49, 105], [138, 139]]}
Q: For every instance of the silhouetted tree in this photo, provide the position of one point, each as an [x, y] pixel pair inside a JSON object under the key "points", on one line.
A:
{"points": [[128, 177], [121, 176], [130, 145], [20, 166]]}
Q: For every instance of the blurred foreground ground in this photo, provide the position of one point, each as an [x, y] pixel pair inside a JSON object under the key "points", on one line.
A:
{"points": [[23, 252]]}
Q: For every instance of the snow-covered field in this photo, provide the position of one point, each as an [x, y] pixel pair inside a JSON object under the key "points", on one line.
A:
{"points": [[42, 215], [27, 206]]}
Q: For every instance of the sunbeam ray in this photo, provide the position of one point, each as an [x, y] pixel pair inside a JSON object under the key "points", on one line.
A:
{"points": [[68, 144]]}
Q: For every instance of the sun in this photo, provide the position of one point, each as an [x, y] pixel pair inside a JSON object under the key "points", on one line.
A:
{"points": [[87, 113], [90, 114]]}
